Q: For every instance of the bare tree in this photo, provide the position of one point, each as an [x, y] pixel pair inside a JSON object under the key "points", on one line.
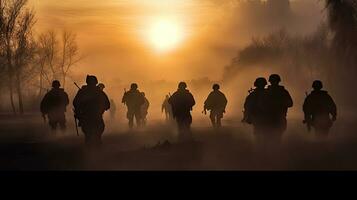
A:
{"points": [[23, 52], [16, 22], [47, 58], [57, 56], [69, 53]]}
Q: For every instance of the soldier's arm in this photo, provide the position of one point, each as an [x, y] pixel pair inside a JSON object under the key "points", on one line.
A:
{"points": [[66, 99], [76, 100], [43, 104], [123, 100], [332, 107], [225, 101], [106, 101], [193, 100], [206, 103], [307, 108], [289, 99], [246, 111]]}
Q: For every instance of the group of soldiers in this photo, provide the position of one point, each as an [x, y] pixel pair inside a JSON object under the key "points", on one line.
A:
{"points": [[137, 105], [265, 108]]}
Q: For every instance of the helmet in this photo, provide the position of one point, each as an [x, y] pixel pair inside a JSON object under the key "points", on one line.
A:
{"points": [[260, 82], [182, 85], [134, 86], [101, 86], [91, 80], [274, 78], [317, 85], [215, 87], [56, 84]]}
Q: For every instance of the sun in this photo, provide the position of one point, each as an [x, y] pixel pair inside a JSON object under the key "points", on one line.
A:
{"points": [[165, 34]]}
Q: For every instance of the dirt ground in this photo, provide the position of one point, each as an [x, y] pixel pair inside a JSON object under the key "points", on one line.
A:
{"points": [[27, 144]]}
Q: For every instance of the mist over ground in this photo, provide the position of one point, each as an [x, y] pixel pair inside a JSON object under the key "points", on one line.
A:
{"points": [[224, 41]]}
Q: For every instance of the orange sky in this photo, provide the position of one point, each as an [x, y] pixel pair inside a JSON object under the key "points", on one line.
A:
{"points": [[111, 33]]}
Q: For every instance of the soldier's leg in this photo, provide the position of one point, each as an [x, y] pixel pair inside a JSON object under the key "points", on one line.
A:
{"points": [[322, 133], [219, 119], [62, 123], [138, 118], [186, 128], [166, 116], [130, 116], [86, 130], [53, 124], [99, 130], [213, 119], [180, 127]]}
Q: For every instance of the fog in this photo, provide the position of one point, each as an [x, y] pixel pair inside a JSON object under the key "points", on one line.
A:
{"points": [[229, 42], [111, 36]]}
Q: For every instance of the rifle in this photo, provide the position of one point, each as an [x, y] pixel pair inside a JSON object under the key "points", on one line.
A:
{"points": [[77, 85]]}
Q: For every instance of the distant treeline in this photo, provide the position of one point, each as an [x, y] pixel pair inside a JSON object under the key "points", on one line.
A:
{"points": [[330, 53]]}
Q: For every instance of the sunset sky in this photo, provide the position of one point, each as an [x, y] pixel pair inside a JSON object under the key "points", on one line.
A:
{"points": [[125, 37]]}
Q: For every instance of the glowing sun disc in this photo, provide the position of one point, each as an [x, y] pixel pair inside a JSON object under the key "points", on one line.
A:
{"points": [[165, 35]]}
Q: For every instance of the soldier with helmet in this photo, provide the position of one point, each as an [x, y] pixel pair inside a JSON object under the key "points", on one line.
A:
{"points": [[166, 107], [278, 103], [54, 106], [255, 109], [90, 103], [320, 110], [144, 110], [216, 103], [182, 102], [134, 100]]}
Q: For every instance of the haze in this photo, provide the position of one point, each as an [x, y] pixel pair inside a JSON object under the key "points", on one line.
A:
{"points": [[114, 35]]}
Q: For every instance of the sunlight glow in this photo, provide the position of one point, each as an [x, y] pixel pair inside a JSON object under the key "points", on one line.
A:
{"points": [[165, 34]]}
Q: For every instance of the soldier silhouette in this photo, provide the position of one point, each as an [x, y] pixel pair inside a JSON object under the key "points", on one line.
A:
{"points": [[90, 103], [278, 102], [144, 110], [133, 99], [54, 105], [182, 103], [320, 110], [255, 110], [216, 103], [166, 107]]}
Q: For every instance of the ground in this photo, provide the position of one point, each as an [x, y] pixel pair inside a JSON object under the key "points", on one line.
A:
{"points": [[27, 144]]}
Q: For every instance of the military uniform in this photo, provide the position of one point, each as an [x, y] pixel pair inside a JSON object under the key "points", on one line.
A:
{"points": [[54, 106], [90, 104], [216, 102], [166, 107], [255, 111], [318, 108], [182, 102], [144, 111], [278, 102], [133, 99]]}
